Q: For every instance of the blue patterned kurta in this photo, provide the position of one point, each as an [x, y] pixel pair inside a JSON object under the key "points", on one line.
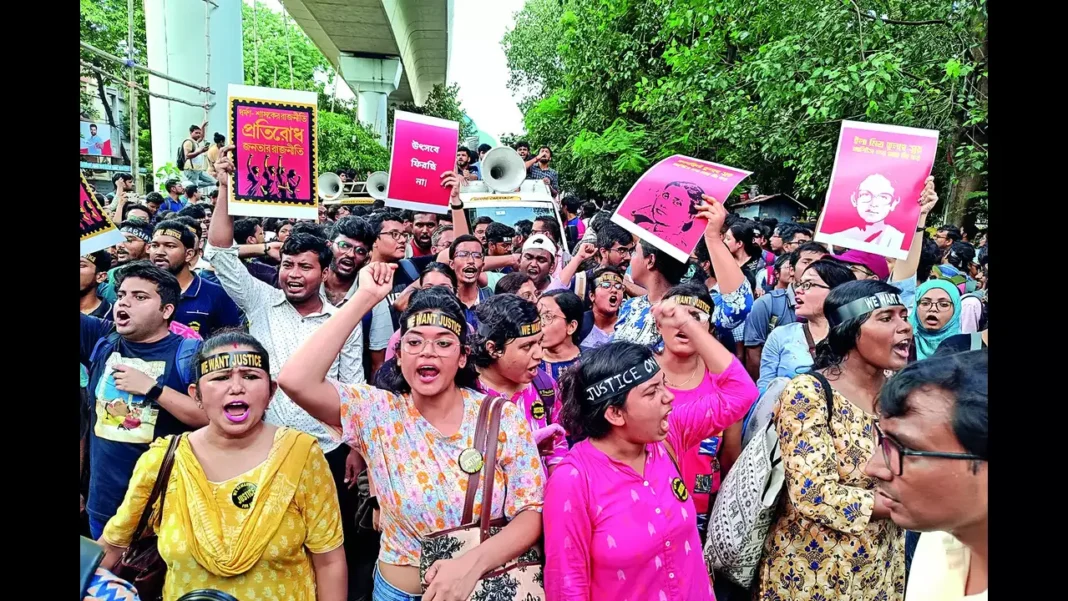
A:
{"points": [[636, 323]]}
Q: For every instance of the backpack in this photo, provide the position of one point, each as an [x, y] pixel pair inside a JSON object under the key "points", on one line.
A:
{"points": [[983, 314], [747, 503], [181, 152], [183, 357], [763, 411]]}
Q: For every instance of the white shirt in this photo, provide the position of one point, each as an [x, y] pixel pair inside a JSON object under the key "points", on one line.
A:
{"points": [[940, 570], [381, 318], [281, 329]]}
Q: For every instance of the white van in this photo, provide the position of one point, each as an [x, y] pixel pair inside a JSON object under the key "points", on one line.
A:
{"points": [[531, 201]]}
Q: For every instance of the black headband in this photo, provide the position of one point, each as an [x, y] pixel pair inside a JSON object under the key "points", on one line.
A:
{"points": [[436, 319], [863, 306], [693, 301], [228, 361], [623, 382], [136, 231]]}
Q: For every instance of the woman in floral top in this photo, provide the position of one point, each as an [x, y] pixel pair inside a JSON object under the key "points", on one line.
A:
{"points": [[833, 538], [412, 432]]}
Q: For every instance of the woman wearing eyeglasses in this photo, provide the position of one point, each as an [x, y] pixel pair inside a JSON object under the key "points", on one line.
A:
{"points": [[833, 538], [561, 316], [606, 296], [698, 369], [937, 315], [412, 431], [788, 350], [507, 351]]}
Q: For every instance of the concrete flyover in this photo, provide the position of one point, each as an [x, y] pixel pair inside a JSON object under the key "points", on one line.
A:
{"points": [[383, 49]]}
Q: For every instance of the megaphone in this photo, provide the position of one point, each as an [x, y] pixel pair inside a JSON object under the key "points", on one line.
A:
{"points": [[330, 186], [503, 169], [378, 185]]}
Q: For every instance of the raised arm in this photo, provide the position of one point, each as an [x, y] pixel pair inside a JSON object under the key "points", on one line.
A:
{"points": [[907, 268], [585, 251], [728, 273], [303, 377]]}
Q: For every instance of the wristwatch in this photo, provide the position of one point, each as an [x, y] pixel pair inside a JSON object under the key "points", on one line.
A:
{"points": [[456, 207], [154, 394]]}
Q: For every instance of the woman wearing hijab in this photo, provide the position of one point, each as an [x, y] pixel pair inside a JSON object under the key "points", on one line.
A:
{"points": [[937, 315], [412, 429], [833, 538], [246, 510]]}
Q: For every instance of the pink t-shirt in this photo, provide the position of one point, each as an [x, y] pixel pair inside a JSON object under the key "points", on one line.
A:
{"points": [[613, 534], [526, 399], [735, 392]]}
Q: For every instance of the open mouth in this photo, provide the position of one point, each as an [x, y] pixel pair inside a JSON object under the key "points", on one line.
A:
{"points": [[533, 272], [294, 287], [664, 424], [122, 318], [613, 300], [470, 272], [902, 348], [236, 412], [427, 373], [931, 320], [346, 264], [683, 338]]}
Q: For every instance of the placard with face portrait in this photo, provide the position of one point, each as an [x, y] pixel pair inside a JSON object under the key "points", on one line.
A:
{"points": [[661, 207], [873, 199]]}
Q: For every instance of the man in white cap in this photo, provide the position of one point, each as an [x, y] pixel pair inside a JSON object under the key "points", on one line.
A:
{"points": [[537, 260]]}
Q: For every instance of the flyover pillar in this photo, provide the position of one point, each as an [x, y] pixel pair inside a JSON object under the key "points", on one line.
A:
{"points": [[373, 80]]}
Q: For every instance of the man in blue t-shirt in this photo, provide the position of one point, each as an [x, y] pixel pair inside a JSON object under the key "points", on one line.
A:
{"points": [[139, 373], [203, 306]]}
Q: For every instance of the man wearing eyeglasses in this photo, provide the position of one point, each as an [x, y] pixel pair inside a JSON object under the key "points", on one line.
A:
{"points": [[931, 471], [351, 244], [614, 248], [466, 259], [390, 240], [874, 199]]}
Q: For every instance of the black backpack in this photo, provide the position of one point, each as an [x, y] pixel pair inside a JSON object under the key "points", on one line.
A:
{"points": [[181, 152]]}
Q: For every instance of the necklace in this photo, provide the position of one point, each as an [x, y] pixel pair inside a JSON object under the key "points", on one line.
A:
{"points": [[687, 380]]}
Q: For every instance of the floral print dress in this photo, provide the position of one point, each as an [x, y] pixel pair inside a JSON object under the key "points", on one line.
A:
{"points": [[825, 545]]}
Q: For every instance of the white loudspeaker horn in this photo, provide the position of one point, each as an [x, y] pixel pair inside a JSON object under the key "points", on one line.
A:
{"points": [[378, 185], [503, 169], [330, 186]]}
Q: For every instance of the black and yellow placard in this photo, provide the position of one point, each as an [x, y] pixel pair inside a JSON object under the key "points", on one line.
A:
{"points": [[98, 230]]}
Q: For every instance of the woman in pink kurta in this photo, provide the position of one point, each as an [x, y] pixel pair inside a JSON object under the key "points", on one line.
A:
{"points": [[696, 369], [619, 520], [507, 352]]}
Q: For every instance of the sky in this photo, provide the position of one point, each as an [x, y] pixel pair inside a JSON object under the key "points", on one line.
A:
{"points": [[476, 63]]}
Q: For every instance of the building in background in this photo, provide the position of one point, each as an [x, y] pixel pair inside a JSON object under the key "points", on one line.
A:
{"points": [[779, 206]]}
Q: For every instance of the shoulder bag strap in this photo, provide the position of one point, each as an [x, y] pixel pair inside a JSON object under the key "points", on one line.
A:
{"points": [[489, 470], [671, 453], [159, 490], [480, 445], [808, 339], [977, 341]]}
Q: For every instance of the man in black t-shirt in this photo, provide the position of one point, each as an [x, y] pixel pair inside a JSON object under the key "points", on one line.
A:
{"points": [[139, 373], [94, 271]]}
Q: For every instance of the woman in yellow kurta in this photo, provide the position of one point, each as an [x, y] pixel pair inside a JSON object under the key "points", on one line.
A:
{"points": [[250, 509], [833, 539]]}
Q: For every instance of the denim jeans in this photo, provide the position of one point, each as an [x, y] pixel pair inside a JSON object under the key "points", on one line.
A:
{"points": [[96, 527], [385, 591]]}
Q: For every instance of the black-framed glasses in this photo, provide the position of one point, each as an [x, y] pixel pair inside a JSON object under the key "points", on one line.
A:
{"points": [[626, 251], [942, 305], [609, 284], [344, 247], [398, 235], [809, 284], [469, 254], [891, 447]]}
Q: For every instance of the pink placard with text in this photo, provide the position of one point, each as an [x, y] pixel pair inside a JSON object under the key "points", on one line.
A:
{"points": [[661, 207], [873, 199], [423, 148]]}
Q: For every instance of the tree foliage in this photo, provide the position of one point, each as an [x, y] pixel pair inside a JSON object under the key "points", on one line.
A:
{"points": [[616, 85], [104, 25], [269, 40]]}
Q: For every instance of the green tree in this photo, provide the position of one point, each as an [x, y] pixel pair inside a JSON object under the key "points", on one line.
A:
{"points": [[344, 143], [270, 40], [615, 85], [103, 25]]}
